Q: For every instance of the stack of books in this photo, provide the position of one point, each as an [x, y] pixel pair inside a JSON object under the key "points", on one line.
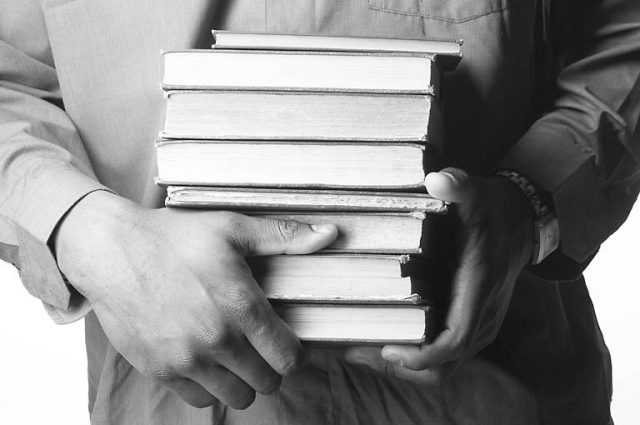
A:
{"points": [[319, 129]]}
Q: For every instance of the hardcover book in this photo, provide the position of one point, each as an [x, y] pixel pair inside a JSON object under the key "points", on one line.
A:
{"points": [[270, 115], [446, 52], [306, 164], [361, 324], [388, 72], [301, 200], [336, 278]]}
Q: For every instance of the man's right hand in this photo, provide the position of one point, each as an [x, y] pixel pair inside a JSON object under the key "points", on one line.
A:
{"points": [[176, 298]]}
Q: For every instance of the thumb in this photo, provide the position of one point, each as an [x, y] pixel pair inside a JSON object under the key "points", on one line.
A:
{"points": [[264, 236], [449, 184]]}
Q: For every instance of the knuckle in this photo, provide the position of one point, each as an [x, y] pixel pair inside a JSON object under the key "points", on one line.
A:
{"points": [[270, 385], [179, 363], [461, 346], [220, 340], [235, 232], [289, 362], [245, 305], [181, 356], [162, 372], [287, 229]]}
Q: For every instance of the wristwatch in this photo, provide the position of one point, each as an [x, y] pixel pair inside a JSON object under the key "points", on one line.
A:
{"points": [[546, 231]]}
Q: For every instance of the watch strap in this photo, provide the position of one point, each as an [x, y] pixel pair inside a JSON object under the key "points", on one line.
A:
{"points": [[546, 234]]}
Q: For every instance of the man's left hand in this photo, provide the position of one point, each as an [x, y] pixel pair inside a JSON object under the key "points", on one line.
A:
{"points": [[494, 241]]}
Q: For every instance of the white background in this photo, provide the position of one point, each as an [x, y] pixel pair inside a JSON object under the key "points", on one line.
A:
{"points": [[43, 377]]}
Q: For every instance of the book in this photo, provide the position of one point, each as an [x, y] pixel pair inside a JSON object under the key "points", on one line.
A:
{"points": [[344, 278], [386, 72], [294, 164], [300, 200], [269, 115], [447, 52], [361, 324], [382, 233]]}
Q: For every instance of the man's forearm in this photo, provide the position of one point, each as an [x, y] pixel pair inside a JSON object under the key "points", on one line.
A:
{"points": [[586, 153]]}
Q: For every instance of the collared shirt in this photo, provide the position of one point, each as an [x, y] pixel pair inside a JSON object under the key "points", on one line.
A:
{"points": [[80, 108]]}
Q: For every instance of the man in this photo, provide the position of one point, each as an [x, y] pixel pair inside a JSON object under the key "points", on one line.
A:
{"points": [[176, 320]]}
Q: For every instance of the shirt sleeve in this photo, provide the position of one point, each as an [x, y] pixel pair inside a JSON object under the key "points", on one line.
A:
{"points": [[44, 168], [585, 152]]}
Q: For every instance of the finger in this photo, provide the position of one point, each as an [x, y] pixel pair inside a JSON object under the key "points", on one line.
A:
{"points": [[277, 344], [262, 236], [254, 317], [249, 366], [191, 392], [371, 357], [455, 341], [224, 385], [443, 350], [449, 184]]}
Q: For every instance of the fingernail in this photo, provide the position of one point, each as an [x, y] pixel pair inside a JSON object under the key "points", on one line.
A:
{"points": [[393, 359], [356, 358], [448, 174], [323, 228], [455, 174]]}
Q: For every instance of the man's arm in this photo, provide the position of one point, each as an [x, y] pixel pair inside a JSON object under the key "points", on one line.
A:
{"points": [[44, 169], [170, 288], [175, 296], [585, 154]]}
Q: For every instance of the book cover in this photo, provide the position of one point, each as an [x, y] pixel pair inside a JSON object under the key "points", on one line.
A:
{"points": [[377, 72]]}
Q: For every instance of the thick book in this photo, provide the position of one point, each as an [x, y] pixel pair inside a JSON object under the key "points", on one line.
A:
{"points": [[361, 324], [303, 164], [300, 200], [446, 52], [388, 72], [382, 233], [270, 115], [343, 278]]}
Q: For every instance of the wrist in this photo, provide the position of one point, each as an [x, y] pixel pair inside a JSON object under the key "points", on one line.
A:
{"points": [[546, 232], [92, 221], [520, 226]]}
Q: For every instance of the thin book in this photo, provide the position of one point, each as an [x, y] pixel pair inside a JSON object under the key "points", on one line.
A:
{"points": [[446, 52], [254, 199]]}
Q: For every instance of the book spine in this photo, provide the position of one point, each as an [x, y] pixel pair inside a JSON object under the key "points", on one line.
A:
{"points": [[431, 90]]}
